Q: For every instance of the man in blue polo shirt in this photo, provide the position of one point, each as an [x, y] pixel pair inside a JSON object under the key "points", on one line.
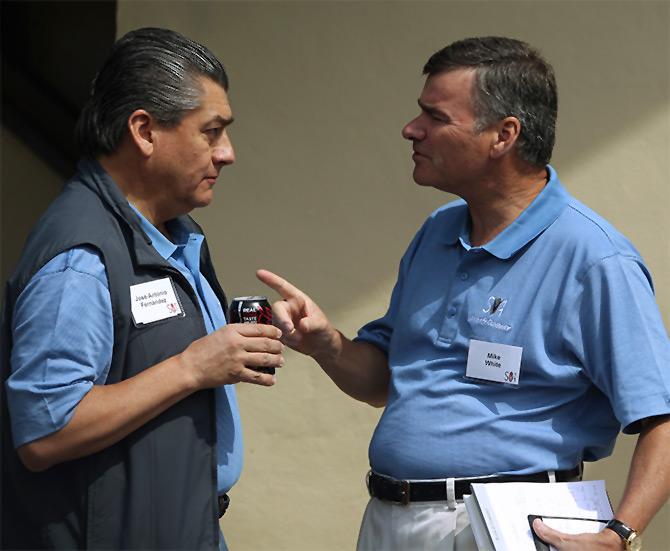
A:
{"points": [[120, 425], [522, 333]]}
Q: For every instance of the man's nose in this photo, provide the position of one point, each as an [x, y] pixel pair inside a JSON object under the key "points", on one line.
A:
{"points": [[224, 153], [412, 130]]}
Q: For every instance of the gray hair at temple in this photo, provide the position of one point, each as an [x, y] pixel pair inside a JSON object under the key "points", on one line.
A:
{"points": [[152, 69], [511, 79]]}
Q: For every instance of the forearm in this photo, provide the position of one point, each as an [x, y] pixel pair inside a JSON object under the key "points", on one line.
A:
{"points": [[358, 368], [648, 485], [108, 413]]}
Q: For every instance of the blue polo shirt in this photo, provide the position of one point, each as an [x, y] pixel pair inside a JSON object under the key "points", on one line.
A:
{"points": [[571, 291], [63, 342]]}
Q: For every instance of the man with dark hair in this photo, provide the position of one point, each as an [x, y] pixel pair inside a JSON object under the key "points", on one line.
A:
{"points": [[120, 424], [522, 333]]}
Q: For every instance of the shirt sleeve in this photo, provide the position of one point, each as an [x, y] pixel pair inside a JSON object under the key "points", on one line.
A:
{"points": [[618, 335], [62, 331]]}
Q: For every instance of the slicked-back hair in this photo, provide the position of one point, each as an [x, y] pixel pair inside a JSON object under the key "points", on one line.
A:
{"points": [[152, 69], [511, 79]]}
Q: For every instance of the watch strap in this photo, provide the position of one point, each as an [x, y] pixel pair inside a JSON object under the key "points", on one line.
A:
{"points": [[625, 532]]}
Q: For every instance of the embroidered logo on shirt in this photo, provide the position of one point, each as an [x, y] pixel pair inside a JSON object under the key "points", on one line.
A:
{"points": [[495, 305]]}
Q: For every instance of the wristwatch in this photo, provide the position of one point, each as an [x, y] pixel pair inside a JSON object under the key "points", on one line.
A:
{"points": [[631, 539]]}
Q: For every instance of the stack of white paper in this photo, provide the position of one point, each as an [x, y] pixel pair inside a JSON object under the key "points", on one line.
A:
{"points": [[499, 512]]}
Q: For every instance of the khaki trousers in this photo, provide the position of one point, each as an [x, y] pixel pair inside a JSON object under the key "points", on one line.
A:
{"points": [[420, 526]]}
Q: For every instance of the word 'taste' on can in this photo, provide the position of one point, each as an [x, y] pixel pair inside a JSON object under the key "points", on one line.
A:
{"points": [[252, 310]]}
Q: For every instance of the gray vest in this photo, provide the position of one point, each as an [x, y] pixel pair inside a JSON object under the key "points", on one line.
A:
{"points": [[156, 488]]}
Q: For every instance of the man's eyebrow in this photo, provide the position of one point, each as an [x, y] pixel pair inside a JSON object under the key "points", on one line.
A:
{"points": [[430, 110], [221, 120]]}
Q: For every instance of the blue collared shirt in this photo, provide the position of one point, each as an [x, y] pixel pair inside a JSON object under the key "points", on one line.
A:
{"points": [[63, 338], [571, 291]]}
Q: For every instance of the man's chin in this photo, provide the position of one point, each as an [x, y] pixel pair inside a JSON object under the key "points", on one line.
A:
{"points": [[422, 180], [200, 202], [205, 199]]}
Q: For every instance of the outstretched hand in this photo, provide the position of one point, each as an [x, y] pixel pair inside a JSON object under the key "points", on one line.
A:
{"points": [[303, 324]]}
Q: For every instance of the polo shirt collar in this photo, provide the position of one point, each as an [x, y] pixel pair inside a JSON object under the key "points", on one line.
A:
{"points": [[162, 244], [535, 218], [457, 227]]}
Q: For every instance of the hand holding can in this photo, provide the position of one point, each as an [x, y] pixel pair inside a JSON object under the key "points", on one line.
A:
{"points": [[255, 309]]}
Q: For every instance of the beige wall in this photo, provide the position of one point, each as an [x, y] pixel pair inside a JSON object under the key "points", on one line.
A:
{"points": [[322, 193]]}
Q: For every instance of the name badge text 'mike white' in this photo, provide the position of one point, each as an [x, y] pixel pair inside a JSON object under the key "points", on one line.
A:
{"points": [[490, 361], [154, 301]]}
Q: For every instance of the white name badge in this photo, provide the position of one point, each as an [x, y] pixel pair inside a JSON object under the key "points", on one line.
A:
{"points": [[154, 301], [490, 361]]}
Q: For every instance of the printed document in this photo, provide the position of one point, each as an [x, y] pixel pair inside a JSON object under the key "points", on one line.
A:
{"points": [[499, 511]]}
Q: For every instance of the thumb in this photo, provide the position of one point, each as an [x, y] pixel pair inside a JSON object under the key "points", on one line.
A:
{"points": [[547, 534]]}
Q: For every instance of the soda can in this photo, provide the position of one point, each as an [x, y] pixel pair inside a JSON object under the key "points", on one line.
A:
{"points": [[252, 310]]}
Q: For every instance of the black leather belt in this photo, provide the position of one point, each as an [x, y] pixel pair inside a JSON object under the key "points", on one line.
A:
{"points": [[224, 501], [406, 491]]}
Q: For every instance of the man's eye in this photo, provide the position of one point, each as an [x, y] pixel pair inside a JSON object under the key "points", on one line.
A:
{"points": [[214, 132], [437, 117]]}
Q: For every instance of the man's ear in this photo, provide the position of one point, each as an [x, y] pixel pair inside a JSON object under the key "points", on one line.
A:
{"points": [[508, 131], [140, 125]]}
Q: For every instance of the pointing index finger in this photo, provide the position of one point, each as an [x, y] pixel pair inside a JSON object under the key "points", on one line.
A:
{"points": [[283, 287]]}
